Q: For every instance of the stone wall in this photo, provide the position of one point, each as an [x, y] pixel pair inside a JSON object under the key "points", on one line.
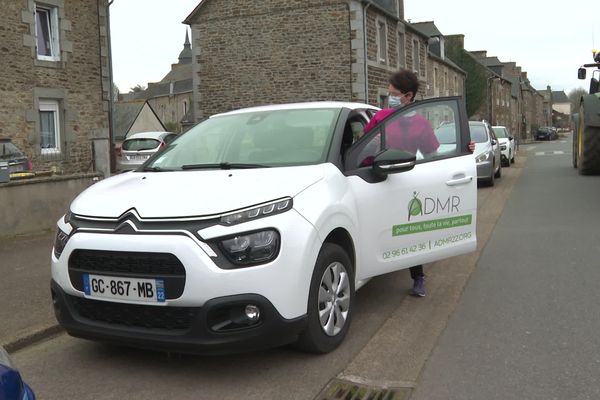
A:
{"points": [[77, 82], [272, 51], [35, 205]]}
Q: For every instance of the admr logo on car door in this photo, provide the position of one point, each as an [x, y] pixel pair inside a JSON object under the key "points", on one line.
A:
{"points": [[428, 213]]}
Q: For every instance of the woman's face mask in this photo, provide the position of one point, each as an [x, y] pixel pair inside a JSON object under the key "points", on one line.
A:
{"points": [[395, 101]]}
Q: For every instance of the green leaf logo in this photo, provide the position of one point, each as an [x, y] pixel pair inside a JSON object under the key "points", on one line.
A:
{"points": [[415, 207]]}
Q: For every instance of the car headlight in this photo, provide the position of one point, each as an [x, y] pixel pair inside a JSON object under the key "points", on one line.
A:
{"points": [[482, 157], [60, 241], [261, 211], [251, 248], [503, 147]]}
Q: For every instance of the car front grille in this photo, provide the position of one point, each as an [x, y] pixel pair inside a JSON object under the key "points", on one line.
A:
{"points": [[163, 266], [133, 315]]}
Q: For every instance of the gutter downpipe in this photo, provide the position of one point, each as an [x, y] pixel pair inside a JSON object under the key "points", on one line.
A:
{"points": [[368, 4], [111, 136]]}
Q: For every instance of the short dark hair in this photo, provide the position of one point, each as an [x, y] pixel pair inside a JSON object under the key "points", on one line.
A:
{"points": [[405, 81]]}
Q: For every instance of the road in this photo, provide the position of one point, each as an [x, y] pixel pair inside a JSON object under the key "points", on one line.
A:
{"points": [[527, 324], [391, 338]]}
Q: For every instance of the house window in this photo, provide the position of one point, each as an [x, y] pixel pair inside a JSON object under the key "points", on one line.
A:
{"points": [[401, 50], [49, 126], [46, 33], [415, 56], [381, 42]]}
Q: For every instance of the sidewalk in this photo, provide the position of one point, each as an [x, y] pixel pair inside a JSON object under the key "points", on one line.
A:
{"points": [[26, 306], [389, 366]]}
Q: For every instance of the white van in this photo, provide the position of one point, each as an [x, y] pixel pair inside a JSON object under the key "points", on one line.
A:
{"points": [[255, 228]]}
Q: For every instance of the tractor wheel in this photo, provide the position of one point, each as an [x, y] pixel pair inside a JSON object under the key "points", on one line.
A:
{"points": [[588, 146]]}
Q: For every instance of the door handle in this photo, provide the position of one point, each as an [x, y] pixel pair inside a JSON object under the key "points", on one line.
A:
{"points": [[459, 181]]}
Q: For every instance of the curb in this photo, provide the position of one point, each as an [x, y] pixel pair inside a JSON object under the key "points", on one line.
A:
{"points": [[16, 344]]}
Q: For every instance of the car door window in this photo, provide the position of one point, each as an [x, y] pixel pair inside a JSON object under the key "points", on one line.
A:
{"points": [[430, 130]]}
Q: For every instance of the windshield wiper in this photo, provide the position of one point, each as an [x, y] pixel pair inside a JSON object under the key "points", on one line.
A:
{"points": [[153, 169], [223, 165]]}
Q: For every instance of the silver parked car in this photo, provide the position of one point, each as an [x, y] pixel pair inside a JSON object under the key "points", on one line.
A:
{"points": [[487, 152], [137, 148]]}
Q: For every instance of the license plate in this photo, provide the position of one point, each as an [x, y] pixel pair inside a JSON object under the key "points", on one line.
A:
{"points": [[138, 158], [122, 288]]}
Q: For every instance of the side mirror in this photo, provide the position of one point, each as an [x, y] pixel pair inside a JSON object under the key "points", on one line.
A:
{"points": [[494, 142], [391, 161], [581, 72], [511, 138]]}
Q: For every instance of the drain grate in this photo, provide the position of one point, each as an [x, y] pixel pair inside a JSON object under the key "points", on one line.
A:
{"points": [[343, 390]]}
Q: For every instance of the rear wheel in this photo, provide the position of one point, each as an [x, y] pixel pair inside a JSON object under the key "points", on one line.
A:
{"points": [[330, 301], [574, 143], [588, 146]]}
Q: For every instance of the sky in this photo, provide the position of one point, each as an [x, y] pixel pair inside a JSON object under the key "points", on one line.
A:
{"points": [[550, 40]]}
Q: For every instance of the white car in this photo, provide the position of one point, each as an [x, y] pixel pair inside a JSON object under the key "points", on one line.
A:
{"points": [[139, 147], [255, 228], [507, 145]]}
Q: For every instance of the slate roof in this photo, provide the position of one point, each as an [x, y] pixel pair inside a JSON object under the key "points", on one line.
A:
{"points": [[559, 97], [124, 114], [427, 28]]}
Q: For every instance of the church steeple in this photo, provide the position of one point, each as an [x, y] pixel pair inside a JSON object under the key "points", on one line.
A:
{"points": [[185, 57]]}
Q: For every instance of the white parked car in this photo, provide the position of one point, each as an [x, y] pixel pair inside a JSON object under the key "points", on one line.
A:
{"points": [[255, 228], [138, 148], [507, 145]]}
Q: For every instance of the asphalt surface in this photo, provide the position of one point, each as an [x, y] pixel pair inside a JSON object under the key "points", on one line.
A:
{"points": [[527, 324]]}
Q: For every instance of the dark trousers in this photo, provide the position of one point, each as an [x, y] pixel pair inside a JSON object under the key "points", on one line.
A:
{"points": [[416, 272]]}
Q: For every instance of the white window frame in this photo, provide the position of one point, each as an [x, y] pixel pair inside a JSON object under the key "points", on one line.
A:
{"points": [[52, 30], [401, 50], [51, 106], [382, 50], [416, 56]]}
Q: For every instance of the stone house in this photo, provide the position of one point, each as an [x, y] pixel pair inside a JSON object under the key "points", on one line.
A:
{"points": [[500, 108], [251, 53], [561, 107], [54, 83], [445, 78], [170, 98]]}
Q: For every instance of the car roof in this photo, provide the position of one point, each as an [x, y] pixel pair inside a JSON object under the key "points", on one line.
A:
{"points": [[499, 126], [300, 106], [148, 135]]}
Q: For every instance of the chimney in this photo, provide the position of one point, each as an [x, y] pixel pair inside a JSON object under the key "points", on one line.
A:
{"points": [[456, 41]]}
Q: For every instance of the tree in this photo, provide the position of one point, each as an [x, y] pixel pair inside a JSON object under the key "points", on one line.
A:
{"points": [[137, 88], [575, 98]]}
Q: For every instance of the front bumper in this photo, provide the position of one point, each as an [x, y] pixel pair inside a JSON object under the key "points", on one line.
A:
{"points": [[484, 170], [177, 329]]}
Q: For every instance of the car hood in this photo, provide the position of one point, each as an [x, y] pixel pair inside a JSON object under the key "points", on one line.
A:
{"points": [[503, 140], [192, 193]]}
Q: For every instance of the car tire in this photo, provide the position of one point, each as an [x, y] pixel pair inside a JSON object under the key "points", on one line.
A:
{"points": [[512, 160], [330, 301], [498, 173], [491, 180], [588, 146], [508, 161]]}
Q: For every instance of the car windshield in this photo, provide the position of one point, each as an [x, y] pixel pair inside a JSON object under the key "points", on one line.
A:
{"points": [[478, 134], [500, 132], [9, 149], [140, 144], [271, 138]]}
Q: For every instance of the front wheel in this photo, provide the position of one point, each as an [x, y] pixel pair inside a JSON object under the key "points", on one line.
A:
{"points": [[330, 301]]}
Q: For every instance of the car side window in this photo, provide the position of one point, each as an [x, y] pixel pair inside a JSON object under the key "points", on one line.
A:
{"points": [[431, 130], [428, 130]]}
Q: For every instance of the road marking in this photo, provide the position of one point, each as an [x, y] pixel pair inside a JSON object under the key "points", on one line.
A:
{"points": [[549, 153]]}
